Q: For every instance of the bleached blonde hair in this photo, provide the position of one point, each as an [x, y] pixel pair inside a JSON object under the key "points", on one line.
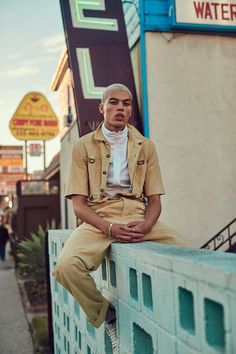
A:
{"points": [[115, 87]]}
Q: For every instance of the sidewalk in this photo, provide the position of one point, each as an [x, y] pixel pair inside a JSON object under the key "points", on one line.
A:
{"points": [[15, 336]]}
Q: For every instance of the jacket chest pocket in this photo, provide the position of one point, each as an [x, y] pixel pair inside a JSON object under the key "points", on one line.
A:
{"points": [[140, 162], [94, 166], [94, 173], [91, 160], [139, 175], [141, 167]]}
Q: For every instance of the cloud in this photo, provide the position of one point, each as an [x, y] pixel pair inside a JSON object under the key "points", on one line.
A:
{"points": [[8, 103], [52, 44], [22, 71], [26, 67], [14, 56], [38, 60], [2, 102]]}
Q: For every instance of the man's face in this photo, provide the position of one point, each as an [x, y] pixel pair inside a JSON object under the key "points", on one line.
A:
{"points": [[116, 109]]}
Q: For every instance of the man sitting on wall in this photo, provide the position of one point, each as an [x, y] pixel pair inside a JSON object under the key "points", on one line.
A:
{"points": [[115, 185]]}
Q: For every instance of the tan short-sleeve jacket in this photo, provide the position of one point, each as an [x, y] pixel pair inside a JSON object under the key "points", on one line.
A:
{"points": [[90, 162]]}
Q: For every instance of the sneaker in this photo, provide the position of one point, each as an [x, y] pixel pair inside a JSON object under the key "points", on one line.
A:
{"points": [[112, 333]]}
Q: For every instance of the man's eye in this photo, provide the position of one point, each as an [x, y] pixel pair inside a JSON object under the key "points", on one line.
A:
{"points": [[127, 103], [113, 102]]}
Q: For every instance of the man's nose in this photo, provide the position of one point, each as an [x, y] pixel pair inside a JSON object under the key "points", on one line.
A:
{"points": [[120, 106]]}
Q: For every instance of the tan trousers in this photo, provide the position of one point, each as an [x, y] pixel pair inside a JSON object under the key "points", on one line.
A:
{"points": [[86, 247]]}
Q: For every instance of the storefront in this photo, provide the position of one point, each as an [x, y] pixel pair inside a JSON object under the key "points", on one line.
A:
{"points": [[183, 58]]}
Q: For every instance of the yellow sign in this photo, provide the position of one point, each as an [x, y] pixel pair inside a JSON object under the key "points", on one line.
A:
{"points": [[11, 162], [34, 119]]}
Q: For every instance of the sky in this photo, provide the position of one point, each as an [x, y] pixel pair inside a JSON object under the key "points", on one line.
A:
{"points": [[32, 40]]}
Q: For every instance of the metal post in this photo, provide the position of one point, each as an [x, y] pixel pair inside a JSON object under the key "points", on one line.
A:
{"points": [[44, 154], [49, 297], [26, 161], [144, 71], [229, 237]]}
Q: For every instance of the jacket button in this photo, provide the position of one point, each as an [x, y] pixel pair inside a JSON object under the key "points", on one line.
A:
{"points": [[101, 190], [104, 172], [108, 156]]}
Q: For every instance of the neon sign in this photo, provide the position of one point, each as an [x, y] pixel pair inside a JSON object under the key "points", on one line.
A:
{"points": [[99, 55], [99, 23]]}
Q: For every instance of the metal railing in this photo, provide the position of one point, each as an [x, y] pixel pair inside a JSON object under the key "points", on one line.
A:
{"points": [[223, 239]]}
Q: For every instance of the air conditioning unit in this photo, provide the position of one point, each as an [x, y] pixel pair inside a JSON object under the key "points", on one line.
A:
{"points": [[68, 118]]}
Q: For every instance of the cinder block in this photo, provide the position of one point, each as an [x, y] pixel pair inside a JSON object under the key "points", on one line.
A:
{"points": [[97, 277], [164, 310], [128, 319], [100, 339], [217, 301], [153, 256], [187, 311], [147, 285], [83, 320], [113, 274], [92, 345], [203, 265], [232, 306], [122, 279], [109, 296], [134, 282], [217, 268], [232, 281], [215, 275], [124, 323], [123, 350], [118, 249], [104, 280], [187, 268], [166, 343], [183, 348]]}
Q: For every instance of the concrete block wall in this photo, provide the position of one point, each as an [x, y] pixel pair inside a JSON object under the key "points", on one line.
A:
{"points": [[169, 300]]}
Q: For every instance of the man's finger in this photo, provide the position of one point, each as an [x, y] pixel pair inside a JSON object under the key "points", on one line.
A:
{"points": [[123, 238], [133, 240], [132, 234], [137, 240], [132, 223], [126, 228], [135, 227]]}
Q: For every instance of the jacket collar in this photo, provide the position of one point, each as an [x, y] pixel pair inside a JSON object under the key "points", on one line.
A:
{"points": [[133, 134]]}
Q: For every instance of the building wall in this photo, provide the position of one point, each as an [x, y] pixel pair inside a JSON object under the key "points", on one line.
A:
{"points": [[66, 99], [136, 64], [67, 216], [191, 92], [68, 133], [191, 84]]}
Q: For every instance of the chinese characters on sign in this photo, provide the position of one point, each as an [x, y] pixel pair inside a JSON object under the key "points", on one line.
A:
{"points": [[34, 119]]}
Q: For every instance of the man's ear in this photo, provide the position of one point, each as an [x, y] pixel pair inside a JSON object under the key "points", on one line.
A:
{"points": [[100, 107]]}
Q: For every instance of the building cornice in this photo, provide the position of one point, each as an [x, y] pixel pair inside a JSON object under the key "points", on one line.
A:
{"points": [[62, 66]]}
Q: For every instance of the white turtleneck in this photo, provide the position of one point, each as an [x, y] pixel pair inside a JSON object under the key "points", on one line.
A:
{"points": [[118, 175]]}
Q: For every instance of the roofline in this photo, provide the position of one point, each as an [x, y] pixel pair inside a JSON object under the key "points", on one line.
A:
{"points": [[52, 173], [63, 65]]}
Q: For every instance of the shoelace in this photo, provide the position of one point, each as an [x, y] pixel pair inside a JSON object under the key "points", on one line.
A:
{"points": [[111, 331]]}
